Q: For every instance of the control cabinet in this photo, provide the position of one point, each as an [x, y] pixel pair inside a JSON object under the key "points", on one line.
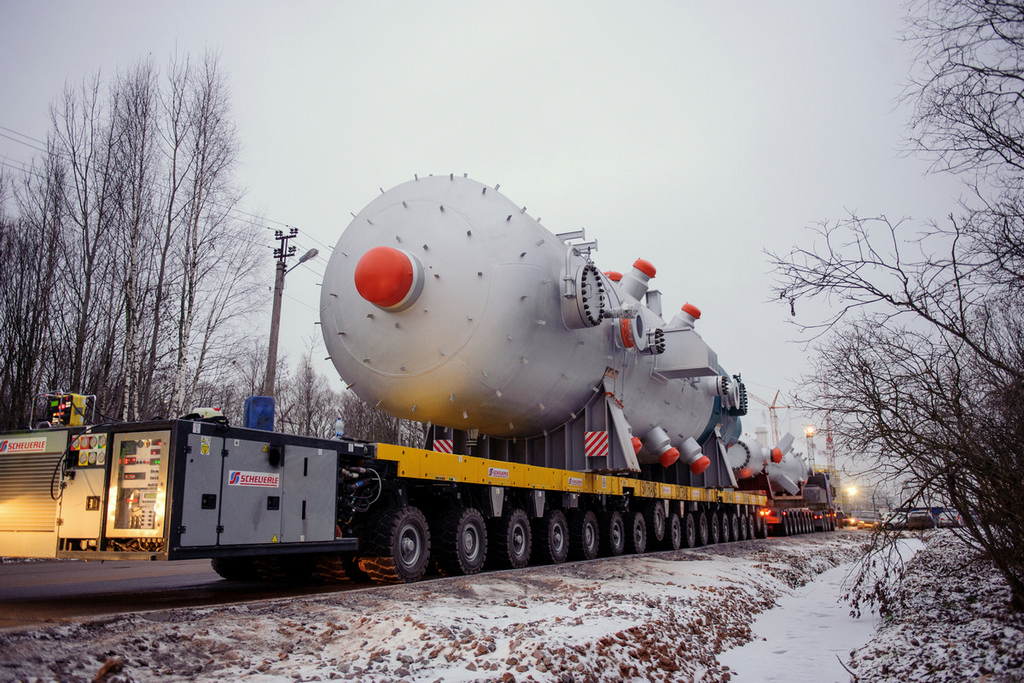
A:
{"points": [[182, 488]]}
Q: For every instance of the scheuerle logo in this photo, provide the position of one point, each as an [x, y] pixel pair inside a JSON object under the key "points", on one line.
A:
{"points": [[497, 473], [259, 479], [22, 445]]}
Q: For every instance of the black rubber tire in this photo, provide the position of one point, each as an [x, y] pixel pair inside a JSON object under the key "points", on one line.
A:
{"points": [[235, 568], [690, 539], [723, 519], [397, 546], [613, 534], [636, 533], [734, 522], [703, 529], [510, 540], [714, 529], [761, 527], [550, 538], [460, 542], [673, 533], [584, 536], [654, 518]]}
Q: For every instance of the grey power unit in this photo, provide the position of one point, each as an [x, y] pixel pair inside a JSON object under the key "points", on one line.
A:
{"points": [[191, 489]]}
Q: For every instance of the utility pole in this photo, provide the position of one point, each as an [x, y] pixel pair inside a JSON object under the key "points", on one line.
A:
{"points": [[281, 254]]}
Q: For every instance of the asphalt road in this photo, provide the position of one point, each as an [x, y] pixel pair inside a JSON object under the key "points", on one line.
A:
{"points": [[36, 592]]}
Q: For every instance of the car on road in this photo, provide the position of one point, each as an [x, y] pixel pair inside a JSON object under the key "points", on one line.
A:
{"points": [[948, 518], [865, 519], [920, 520], [895, 521]]}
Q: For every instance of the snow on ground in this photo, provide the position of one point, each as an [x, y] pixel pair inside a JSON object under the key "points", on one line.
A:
{"points": [[660, 617], [955, 625]]}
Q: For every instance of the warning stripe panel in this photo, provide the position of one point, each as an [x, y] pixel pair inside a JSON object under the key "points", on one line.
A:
{"points": [[595, 444]]}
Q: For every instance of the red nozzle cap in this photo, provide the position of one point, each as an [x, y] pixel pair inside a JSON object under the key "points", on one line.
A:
{"points": [[645, 267], [776, 456], [613, 275], [692, 310], [637, 445], [669, 457], [701, 464], [384, 276]]}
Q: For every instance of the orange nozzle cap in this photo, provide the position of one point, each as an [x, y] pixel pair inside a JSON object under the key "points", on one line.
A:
{"points": [[645, 267], [692, 310], [637, 445], [613, 275], [699, 465], [669, 457], [776, 456], [384, 276]]}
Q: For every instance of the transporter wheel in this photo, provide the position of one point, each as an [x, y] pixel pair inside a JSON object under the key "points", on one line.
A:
{"points": [[339, 568], [723, 519], [673, 533], [235, 568], [689, 530], [761, 527], [636, 536], [741, 520], [654, 518], [583, 535], [714, 529], [510, 540], [734, 522], [613, 534], [398, 546], [703, 529], [751, 527], [551, 538], [461, 542]]}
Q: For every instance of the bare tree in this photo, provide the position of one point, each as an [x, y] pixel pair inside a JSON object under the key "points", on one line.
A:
{"points": [[135, 136], [307, 404], [211, 148], [363, 421], [84, 139], [27, 292], [143, 279], [924, 356]]}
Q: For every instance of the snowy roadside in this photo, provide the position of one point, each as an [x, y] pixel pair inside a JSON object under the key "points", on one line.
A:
{"points": [[955, 625], [662, 617]]}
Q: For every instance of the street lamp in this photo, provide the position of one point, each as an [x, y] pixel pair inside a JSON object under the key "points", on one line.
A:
{"points": [[809, 432], [275, 317]]}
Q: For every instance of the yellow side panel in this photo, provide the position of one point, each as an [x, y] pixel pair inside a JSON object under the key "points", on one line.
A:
{"points": [[416, 463]]}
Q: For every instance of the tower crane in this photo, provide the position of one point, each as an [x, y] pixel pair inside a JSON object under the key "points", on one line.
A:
{"points": [[773, 417]]}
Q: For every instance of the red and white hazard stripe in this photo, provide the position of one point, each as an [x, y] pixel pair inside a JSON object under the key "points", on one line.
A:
{"points": [[595, 444], [443, 445]]}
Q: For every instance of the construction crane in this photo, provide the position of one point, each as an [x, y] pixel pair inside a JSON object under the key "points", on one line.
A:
{"points": [[773, 417]]}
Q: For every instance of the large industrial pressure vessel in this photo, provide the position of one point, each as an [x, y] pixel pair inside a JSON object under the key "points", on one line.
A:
{"points": [[445, 302]]}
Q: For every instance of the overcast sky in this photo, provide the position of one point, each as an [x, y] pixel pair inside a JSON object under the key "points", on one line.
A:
{"points": [[695, 135]]}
